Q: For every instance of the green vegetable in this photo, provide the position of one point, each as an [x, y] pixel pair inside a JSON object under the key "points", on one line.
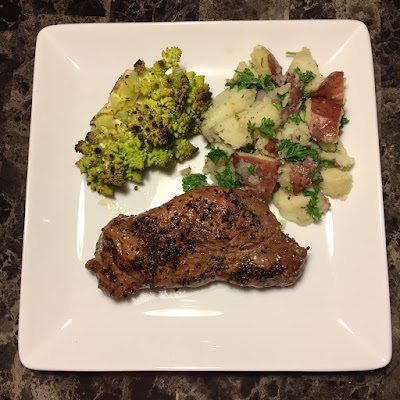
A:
{"points": [[249, 148], [300, 115], [276, 105], [251, 169], [315, 173], [344, 121], [312, 208], [193, 181], [305, 95], [291, 53], [266, 128], [227, 178], [305, 77], [297, 118], [149, 117], [247, 80], [281, 97], [216, 154], [295, 152]]}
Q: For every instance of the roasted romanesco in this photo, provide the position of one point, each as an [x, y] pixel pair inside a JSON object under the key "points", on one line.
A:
{"points": [[146, 122]]}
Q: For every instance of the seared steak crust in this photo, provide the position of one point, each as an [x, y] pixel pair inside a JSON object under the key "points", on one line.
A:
{"points": [[205, 235]]}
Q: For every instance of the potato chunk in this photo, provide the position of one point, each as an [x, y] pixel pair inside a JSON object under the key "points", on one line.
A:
{"points": [[338, 155], [336, 183], [294, 208], [305, 62], [225, 105], [295, 133]]}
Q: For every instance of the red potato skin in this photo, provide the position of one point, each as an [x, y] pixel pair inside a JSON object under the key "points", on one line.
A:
{"points": [[300, 175], [270, 147], [331, 88], [325, 119], [274, 65], [296, 88], [295, 93], [268, 170]]}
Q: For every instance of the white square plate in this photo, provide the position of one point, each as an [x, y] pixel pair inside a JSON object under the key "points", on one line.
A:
{"points": [[336, 317]]}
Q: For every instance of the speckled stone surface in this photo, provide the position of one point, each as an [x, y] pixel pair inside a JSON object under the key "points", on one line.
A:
{"points": [[20, 21]]}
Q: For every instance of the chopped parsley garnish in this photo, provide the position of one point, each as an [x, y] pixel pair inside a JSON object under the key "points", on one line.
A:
{"points": [[291, 53], [300, 116], [295, 152], [297, 118], [326, 164], [305, 77], [281, 97], [249, 148], [266, 128], [276, 105], [226, 178], [216, 154], [344, 121], [251, 168], [311, 208], [315, 173], [193, 181], [305, 95], [208, 107], [247, 80]]}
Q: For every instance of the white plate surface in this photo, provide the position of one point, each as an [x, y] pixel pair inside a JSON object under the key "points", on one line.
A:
{"points": [[337, 317]]}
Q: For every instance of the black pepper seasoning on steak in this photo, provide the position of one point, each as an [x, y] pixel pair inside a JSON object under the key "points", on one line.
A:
{"points": [[208, 234]]}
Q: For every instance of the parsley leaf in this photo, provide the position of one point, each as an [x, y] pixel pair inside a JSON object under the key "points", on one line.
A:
{"points": [[281, 97], [193, 181], [305, 77], [295, 152], [216, 154], [311, 207], [226, 179], [315, 173], [208, 107], [249, 148], [344, 121], [300, 116], [305, 95], [266, 128], [247, 80], [297, 118], [251, 168], [276, 105], [291, 53]]}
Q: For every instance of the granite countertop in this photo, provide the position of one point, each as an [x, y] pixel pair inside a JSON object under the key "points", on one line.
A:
{"points": [[20, 22]]}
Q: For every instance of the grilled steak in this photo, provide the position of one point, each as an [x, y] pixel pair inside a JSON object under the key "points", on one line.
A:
{"points": [[205, 235]]}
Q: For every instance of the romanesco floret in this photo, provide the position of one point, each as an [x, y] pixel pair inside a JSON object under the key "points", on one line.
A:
{"points": [[146, 123], [184, 149], [172, 56], [159, 157]]}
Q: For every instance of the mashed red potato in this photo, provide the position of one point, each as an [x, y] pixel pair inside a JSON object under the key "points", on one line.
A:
{"points": [[278, 134]]}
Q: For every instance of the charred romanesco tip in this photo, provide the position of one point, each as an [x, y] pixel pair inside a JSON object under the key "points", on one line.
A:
{"points": [[146, 123]]}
